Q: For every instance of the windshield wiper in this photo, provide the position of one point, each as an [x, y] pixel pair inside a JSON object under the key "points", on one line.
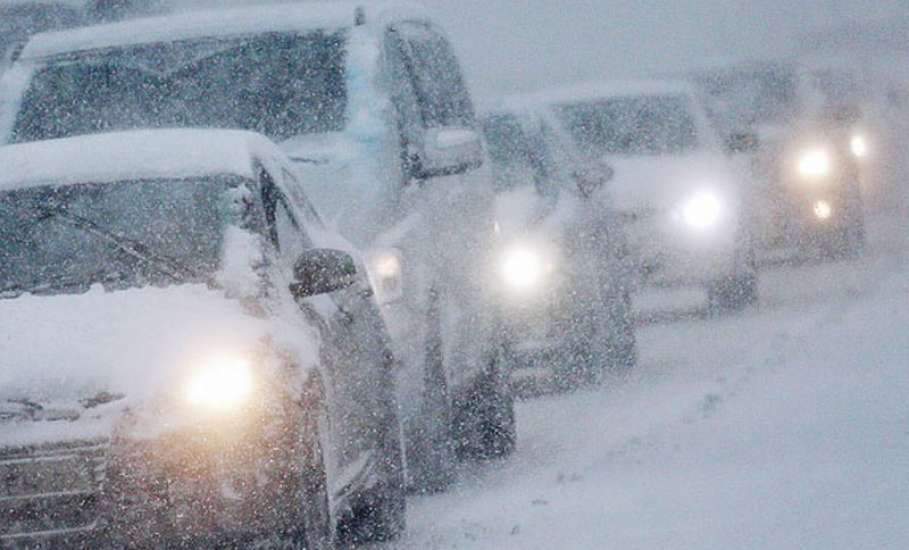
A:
{"points": [[132, 248]]}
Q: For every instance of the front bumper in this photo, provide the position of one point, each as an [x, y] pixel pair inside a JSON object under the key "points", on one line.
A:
{"points": [[667, 253], [50, 493], [182, 489]]}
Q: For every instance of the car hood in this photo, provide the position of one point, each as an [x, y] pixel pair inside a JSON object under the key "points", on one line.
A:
{"points": [[63, 357], [659, 183]]}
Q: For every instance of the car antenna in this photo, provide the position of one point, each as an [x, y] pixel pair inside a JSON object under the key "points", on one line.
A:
{"points": [[359, 16]]}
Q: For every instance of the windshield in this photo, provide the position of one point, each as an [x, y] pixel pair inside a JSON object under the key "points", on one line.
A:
{"points": [[280, 85], [644, 125], [517, 155], [740, 99], [124, 234]]}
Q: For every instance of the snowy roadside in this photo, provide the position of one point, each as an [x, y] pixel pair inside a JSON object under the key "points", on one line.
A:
{"points": [[786, 427]]}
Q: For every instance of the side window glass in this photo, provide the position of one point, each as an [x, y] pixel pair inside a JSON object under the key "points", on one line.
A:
{"points": [[436, 77], [287, 235], [295, 189]]}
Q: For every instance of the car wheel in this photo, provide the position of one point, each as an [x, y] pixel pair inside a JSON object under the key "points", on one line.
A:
{"points": [[485, 425], [623, 345], [431, 459], [312, 525], [381, 513], [733, 294]]}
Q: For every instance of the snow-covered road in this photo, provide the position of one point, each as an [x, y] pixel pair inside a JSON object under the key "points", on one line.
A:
{"points": [[784, 427]]}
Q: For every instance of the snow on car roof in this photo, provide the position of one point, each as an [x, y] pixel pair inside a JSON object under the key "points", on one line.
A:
{"points": [[212, 23], [602, 90], [139, 154]]}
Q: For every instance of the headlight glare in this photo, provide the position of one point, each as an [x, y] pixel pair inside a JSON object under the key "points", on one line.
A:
{"points": [[702, 210], [823, 210], [523, 267], [221, 385], [859, 146], [814, 163]]}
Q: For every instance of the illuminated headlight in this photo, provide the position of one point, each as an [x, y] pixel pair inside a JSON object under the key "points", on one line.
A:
{"points": [[859, 146], [702, 211], [815, 163], [523, 268], [387, 266], [823, 210], [220, 385]]}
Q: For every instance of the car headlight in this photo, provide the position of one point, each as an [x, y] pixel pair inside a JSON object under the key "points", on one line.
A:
{"points": [[822, 210], [223, 384], [814, 163], [523, 267], [702, 211], [386, 268], [859, 146]]}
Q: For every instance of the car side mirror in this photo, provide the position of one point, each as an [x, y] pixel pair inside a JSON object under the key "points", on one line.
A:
{"points": [[322, 270], [591, 176], [742, 142], [448, 151]]}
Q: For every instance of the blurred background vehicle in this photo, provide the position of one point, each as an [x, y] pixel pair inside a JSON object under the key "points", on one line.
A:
{"points": [[683, 202], [804, 131], [406, 184], [226, 358], [563, 268]]}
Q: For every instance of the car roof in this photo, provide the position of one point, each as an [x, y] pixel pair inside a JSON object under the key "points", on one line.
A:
{"points": [[188, 25], [604, 90], [132, 155]]}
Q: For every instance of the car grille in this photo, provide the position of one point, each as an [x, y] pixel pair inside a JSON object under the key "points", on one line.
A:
{"points": [[50, 492]]}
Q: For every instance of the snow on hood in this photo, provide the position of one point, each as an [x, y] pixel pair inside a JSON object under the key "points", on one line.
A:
{"points": [[139, 154], [137, 342], [647, 183]]}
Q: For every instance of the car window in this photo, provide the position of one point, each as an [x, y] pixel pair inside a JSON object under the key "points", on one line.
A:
{"points": [[286, 233], [435, 75]]}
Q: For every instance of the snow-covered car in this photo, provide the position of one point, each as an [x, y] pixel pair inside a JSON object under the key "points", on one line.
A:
{"points": [[369, 102], [684, 203], [187, 355], [564, 271]]}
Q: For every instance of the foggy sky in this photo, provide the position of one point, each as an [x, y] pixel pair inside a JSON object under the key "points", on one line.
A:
{"points": [[514, 45]]}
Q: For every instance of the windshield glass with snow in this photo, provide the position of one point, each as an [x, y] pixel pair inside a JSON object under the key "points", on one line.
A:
{"points": [[280, 84], [518, 157], [740, 99], [125, 234], [645, 125]]}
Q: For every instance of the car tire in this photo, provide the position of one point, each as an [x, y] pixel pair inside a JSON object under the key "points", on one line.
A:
{"points": [[485, 425], [431, 459], [622, 354], [733, 294], [312, 526], [380, 514]]}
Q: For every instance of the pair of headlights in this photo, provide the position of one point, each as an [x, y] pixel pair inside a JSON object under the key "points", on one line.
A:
{"points": [[524, 266], [817, 163]]}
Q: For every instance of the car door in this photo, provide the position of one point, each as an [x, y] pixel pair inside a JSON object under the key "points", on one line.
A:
{"points": [[355, 352]]}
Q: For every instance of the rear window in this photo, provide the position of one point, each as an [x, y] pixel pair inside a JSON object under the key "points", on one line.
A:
{"points": [[281, 85]]}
